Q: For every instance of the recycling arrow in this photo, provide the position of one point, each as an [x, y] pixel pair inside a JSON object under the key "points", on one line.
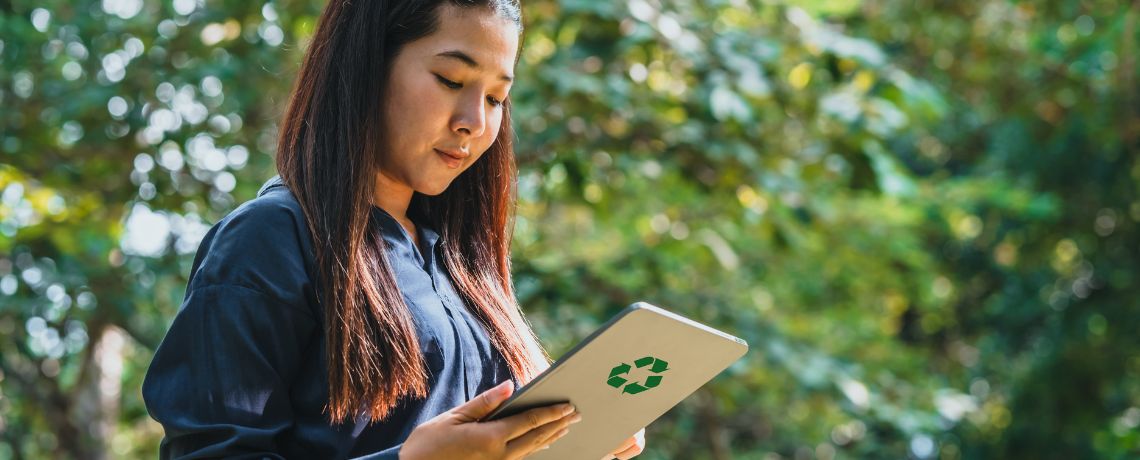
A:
{"points": [[655, 366]]}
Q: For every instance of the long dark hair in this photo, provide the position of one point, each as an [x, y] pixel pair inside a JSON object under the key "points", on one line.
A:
{"points": [[328, 156]]}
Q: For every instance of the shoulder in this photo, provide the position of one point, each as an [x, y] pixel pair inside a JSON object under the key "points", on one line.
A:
{"points": [[263, 245], [274, 212]]}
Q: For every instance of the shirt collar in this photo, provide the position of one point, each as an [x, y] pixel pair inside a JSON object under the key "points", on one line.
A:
{"points": [[275, 181], [391, 229], [398, 239]]}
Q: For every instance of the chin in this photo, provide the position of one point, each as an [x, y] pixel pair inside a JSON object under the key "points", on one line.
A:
{"points": [[433, 189]]}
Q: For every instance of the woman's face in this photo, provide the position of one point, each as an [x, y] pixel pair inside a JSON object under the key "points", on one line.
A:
{"points": [[443, 102]]}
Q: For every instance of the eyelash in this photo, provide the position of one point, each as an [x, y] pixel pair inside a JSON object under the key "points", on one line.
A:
{"points": [[454, 85]]}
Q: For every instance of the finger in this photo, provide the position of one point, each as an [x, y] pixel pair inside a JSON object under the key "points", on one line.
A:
{"points": [[636, 449], [629, 453], [519, 424], [631, 447], [631, 441], [479, 406], [541, 437]]}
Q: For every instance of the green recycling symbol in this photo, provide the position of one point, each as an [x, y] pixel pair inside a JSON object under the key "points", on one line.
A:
{"points": [[657, 366]]}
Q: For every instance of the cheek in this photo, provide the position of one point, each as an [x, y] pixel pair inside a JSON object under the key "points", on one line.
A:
{"points": [[411, 105], [494, 122]]}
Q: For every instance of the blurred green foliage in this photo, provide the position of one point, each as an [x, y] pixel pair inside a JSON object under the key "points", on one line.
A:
{"points": [[921, 214]]}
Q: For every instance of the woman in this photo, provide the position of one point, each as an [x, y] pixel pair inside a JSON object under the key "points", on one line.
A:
{"points": [[361, 305]]}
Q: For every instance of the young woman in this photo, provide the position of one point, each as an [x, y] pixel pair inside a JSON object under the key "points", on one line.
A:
{"points": [[361, 305]]}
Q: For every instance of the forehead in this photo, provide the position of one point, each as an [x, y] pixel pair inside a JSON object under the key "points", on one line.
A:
{"points": [[488, 38]]}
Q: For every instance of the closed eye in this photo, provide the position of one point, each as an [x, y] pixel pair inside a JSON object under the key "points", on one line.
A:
{"points": [[448, 83], [456, 85]]}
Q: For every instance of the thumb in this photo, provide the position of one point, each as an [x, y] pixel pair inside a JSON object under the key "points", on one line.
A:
{"points": [[479, 406]]}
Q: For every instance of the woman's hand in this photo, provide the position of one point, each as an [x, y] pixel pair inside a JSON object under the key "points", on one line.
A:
{"points": [[458, 433], [632, 447]]}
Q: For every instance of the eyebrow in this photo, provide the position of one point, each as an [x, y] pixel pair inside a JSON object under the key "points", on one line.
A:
{"points": [[470, 61]]}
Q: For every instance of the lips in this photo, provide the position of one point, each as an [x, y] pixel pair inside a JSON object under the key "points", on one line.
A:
{"points": [[452, 157]]}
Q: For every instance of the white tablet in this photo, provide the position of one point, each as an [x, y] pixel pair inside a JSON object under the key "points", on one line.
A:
{"points": [[624, 376]]}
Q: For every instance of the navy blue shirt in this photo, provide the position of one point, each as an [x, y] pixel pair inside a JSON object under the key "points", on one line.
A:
{"points": [[242, 370]]}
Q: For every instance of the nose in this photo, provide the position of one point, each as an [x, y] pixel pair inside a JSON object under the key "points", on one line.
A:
{"points": [[469, 117]]}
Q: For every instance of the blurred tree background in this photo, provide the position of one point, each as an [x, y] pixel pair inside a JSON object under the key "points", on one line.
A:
{"points": [[921, 214]]}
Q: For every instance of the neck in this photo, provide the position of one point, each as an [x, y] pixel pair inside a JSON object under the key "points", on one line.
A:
{"points": [[393, 197]]}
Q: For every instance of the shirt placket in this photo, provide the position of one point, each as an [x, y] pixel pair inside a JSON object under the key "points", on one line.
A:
{"points": [[469, 364]]}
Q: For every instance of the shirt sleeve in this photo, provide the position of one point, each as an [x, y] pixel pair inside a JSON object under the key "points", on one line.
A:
{"points": [[218, 383]]}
